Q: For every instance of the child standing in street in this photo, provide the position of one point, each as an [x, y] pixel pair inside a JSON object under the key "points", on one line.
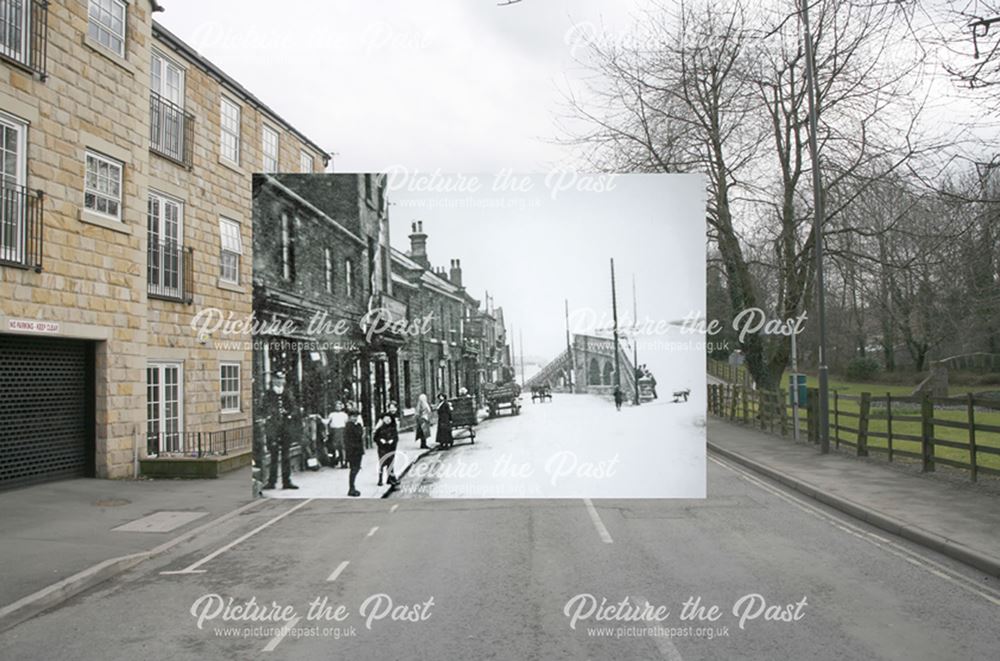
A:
{"points": [[354, 448]]}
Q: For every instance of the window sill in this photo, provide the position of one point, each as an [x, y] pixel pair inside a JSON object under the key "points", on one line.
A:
{"points": [[114, 57], [102, 221], [231, 286], [232, 416], [233, 166]]}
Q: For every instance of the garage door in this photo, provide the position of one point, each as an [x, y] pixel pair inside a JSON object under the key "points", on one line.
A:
{"points": [[46, 409]]}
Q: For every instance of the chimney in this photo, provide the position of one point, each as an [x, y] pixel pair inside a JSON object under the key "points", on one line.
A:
{"points": [[418, 244], [456, 273]]}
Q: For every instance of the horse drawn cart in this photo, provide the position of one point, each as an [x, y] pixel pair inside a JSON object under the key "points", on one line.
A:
{"points": [[463, 418], [502, 397], [541, 393]]}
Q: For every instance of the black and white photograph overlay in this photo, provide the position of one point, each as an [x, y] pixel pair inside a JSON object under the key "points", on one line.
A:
{"points": [[478, 335]]}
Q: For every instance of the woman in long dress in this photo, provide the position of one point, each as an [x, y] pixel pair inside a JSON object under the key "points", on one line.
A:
{"points": [[423, 420], [443, 437]]}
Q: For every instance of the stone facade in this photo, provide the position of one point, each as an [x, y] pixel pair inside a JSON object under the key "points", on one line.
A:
{"points": [[94, 276]]}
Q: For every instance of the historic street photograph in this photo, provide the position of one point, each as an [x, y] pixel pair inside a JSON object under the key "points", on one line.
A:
{"points": [[460, 335]]}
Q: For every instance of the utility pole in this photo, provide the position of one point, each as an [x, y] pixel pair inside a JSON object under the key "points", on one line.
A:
{"points": [[635, 342], [520, 340], [818, 215], [614, 314], [569, 352]]}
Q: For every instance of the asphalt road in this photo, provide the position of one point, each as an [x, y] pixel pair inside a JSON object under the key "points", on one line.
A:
{"points": [[501, 573]]}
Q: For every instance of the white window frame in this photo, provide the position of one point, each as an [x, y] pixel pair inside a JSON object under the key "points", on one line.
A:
{"points": [[159, 271], [328, 269], [96, 28], [161, 367], [223, 393], [99, 158], [228, 131], [271, 160], [12, 239], [19, 49], [230, 243], [287, 247], [306, 161]]}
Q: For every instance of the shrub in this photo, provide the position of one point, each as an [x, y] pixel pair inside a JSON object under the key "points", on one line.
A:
{"points": [[862, 368]]}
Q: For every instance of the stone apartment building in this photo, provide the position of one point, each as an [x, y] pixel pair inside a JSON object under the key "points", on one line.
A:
{"points": [[126, 210]]}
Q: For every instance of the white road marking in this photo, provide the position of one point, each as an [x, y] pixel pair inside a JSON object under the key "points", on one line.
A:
{"points": [[336, 572], [372, 531], [281, 635], [664, 644], [596, 518], [394, 507], [916, 559], [193, 568]]}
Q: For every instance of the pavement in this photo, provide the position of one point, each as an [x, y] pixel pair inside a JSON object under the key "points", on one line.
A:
{"points": [[954, 519]]}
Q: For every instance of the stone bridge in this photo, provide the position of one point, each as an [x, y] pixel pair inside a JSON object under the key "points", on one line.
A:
{"points": [[592, 368]]}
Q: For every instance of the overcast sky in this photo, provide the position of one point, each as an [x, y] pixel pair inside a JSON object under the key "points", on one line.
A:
{"points": [[461, 85]]}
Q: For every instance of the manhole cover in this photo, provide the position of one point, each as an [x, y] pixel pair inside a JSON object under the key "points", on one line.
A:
{"points": [[111, 502]]}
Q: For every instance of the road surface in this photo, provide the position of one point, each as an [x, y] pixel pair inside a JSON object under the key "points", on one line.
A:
{"points": [[495, 579]]}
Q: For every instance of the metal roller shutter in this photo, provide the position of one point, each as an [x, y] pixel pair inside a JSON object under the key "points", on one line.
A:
{"points": [[46, 409]]}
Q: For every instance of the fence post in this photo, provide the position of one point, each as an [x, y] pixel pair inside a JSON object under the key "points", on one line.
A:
{"points": [[974, 465], [866, 402], [927, 435], [888, 422], [779, 403], [836, 418], [746, 405], [199, 444]]}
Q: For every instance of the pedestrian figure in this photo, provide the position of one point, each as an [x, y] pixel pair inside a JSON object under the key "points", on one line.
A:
{"points": [[443, 437], [619, 398], [354, 449], [336, 422], [284, 420], [386, 436], [423, 416]]}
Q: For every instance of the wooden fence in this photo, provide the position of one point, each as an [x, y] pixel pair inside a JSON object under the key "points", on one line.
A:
{"points": [[961, 432]]}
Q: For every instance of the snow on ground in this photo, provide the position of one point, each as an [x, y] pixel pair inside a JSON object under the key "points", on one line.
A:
{"points": [[576, 446]]}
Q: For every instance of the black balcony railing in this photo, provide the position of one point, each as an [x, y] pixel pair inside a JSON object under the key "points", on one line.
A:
{"points": [[24, 33], [171, 130], [199, 443], [170, 271], [20, 227]]}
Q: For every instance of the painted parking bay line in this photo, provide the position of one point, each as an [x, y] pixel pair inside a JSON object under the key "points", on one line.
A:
{"points": [[336, 572], [193, 568], [602, 531]]}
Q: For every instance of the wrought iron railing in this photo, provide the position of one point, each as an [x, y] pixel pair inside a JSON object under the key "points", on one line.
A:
{"points": [[21, 227], [170, 271], [199, 443], [171, 130], [24, 33]]}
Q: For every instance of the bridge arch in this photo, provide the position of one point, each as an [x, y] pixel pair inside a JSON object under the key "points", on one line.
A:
{"points": [[593, 373]]}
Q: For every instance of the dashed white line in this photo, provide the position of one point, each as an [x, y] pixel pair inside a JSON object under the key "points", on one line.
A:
{"points": [[281, 634], [394, 507], [193, 568], [925, 563], [336, 572], [596, 518], [372, 531], [664, 644]]}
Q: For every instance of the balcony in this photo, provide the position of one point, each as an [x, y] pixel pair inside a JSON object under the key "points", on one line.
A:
{"points": [[24, 34], [20, 227], [170, 272], [171, 130]]}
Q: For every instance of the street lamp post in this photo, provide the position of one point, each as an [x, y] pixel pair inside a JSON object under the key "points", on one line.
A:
{"points": [[818, 215], [614, 314]]}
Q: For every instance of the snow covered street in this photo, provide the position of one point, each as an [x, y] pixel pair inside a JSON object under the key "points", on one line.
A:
{"points": [[576, 446]]}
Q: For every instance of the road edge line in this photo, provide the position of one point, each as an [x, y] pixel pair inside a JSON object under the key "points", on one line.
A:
{"points": [[890, 524], [31, 605]]}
